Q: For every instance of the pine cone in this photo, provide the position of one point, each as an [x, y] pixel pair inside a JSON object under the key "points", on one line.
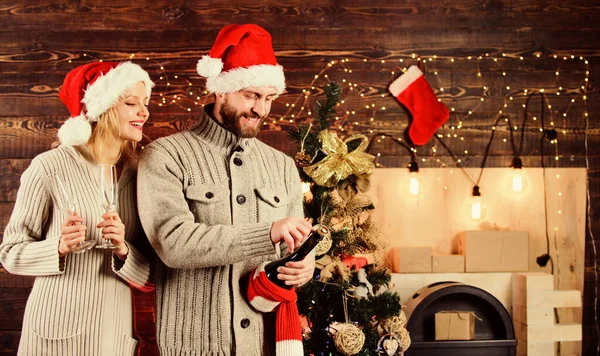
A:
{"points": [[302, 159]]}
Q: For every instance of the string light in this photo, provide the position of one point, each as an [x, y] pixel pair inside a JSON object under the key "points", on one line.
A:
{"points": [[364, 117]]}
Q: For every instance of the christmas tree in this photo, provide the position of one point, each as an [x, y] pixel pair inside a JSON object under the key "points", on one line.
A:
{"points": [[348, 308]]}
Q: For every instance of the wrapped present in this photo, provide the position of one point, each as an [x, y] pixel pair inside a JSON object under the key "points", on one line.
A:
{"points": [[454, 325], [495, 251], [448, 264], [411, 259]]}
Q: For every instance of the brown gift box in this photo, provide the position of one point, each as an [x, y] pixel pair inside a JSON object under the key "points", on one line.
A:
{"points": [[448, 264], [454, 325], [411, 259], [495, 251]]}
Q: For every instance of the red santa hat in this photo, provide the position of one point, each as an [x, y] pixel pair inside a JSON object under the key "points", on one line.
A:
{"points": [[241, 57], [90, 90], [428, 113]]}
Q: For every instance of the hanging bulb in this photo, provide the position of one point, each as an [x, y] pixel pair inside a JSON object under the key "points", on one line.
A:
{"points": [[477, 211], [517, 178], [414, 186], [308, 196], [305, 187]]}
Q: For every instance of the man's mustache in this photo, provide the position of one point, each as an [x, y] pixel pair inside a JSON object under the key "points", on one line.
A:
{"points": [[250, 115]]}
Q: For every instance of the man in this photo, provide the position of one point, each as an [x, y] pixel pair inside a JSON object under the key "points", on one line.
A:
{"points": [[216, 202]]}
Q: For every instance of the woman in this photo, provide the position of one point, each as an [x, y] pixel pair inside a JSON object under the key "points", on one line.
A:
{"points": [[81, 304]]}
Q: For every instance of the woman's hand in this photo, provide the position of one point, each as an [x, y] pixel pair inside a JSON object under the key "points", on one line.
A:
{"points": [[113, 229], [71, 234]]}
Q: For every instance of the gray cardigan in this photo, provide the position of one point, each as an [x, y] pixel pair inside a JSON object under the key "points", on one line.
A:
{"points": [[206, 201]]}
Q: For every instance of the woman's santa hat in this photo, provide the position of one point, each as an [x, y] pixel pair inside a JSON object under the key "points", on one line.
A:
{"points": [[241, 57], [90, 90]]}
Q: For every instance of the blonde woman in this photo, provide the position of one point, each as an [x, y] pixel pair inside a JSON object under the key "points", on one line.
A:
{"points": [[81, 303]]}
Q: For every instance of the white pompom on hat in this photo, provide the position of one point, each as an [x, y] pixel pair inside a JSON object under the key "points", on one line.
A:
{"points": [[241, 57], [90, 90]]}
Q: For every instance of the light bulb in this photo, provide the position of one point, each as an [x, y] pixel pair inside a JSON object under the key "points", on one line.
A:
{"points": [[414, 186], [476, 208], [517, 181]]}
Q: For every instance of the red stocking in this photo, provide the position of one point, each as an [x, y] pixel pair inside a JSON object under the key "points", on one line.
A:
{"points": [[413, 91]]}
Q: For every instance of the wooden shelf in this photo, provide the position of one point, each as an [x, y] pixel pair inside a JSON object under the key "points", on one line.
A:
{"points": [[498, 284]]}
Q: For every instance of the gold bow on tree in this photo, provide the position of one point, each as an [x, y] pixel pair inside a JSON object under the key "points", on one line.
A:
{"points": [[339, 163], [354, 215]]}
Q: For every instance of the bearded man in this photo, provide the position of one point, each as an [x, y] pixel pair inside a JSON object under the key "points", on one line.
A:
{"points": [[215, 203]]}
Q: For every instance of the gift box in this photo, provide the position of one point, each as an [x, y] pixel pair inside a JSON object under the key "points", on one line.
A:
{"points": [[355, 262], [411, 259], [448, 264], [454, 325], [495, 251]]}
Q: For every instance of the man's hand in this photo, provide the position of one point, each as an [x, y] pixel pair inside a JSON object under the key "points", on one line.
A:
{"points": [[292, 230], [297, 273]]}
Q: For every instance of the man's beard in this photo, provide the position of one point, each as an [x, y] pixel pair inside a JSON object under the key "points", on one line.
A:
{"points": [[232, 121]]}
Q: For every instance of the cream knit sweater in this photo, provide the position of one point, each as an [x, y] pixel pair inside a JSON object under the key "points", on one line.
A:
{"points": [[207, 201], [80, 304]]}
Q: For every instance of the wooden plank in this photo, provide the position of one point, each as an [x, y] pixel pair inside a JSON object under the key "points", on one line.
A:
{"points": [[548, 299], [497, 284], [535, 349], [13, 304], [533, 281], [532, 316], [25, 137], [377, 14], [5, 211], [8, 280], [549, 333], [9, 342], [10, 172]]}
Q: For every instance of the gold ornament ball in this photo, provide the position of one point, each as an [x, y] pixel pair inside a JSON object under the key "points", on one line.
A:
{"points": [[348, 338]]}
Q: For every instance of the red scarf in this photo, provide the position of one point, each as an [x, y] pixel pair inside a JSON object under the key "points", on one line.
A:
{"points": [[265, 296]]}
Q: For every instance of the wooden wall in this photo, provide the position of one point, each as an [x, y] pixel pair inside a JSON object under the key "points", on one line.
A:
{"points": [[40, 41]]}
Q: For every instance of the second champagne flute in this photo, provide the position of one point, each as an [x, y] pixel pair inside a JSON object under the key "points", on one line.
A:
{"points": [[64, 201], [109, 195]]}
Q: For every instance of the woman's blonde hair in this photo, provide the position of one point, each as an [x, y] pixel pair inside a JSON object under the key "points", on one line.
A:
{"points": [[103, 131], [106, 129]]}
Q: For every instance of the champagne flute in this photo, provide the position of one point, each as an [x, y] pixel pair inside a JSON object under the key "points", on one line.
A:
{"points": [[109, 196], [65, 202]]}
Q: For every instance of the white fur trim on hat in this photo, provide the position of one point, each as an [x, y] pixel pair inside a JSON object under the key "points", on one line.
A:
{"points": [[209, 67], [75, 131], [237, 79], [104, 93]]}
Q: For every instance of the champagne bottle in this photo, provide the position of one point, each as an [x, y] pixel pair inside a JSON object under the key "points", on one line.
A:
{"points": [[318, 232]]}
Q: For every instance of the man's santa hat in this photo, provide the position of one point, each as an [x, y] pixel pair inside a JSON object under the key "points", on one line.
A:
{"points": [[241, 57], [90, 90]]}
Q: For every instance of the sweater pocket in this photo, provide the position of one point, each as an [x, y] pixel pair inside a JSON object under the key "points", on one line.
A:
{"points": [[63, 345], [209, 202], [271, 203]]}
